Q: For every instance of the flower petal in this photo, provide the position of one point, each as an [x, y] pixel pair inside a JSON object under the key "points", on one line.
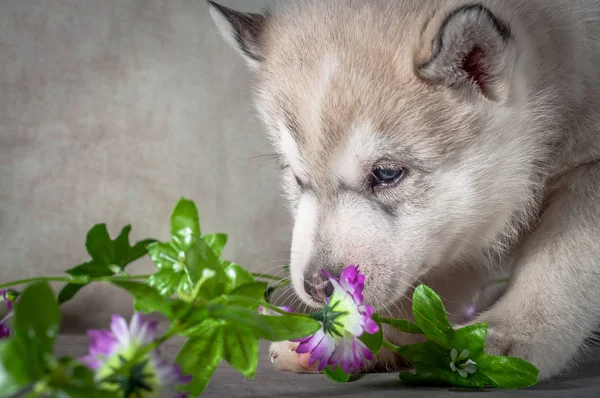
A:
{"points": [[363, 350], [5, 331], [308, 344], [91, 362], [346, 356], [102, 342], [322, 352], [6, 299], [142, 331], [169, 374], [464, 354], [120, 329], [371, 326]]}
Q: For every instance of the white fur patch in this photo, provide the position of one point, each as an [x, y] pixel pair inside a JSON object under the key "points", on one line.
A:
{"points": [[361, 149], [303, 238], [331, 63], [289, 148]]}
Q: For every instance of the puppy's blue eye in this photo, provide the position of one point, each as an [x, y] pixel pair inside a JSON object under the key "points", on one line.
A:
{"points": [[386, 175]]}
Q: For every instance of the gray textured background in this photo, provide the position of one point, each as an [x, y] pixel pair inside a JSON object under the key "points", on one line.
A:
{"points": [[109, 112]]}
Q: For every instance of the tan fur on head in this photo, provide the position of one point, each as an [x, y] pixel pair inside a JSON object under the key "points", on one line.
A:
{"points": [[481, 105]]}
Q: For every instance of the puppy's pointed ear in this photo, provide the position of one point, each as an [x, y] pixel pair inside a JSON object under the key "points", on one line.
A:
{"points": [[243, 31], [473, 47]]}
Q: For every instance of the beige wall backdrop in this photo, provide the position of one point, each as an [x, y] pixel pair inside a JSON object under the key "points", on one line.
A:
{"points": [[109, 112]]}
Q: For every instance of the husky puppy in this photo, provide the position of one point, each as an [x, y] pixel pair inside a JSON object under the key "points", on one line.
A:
{"points": [[440, 142]]}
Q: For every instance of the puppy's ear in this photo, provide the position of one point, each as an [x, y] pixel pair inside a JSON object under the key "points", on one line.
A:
{"points": [[243, 31], [473, 47]]}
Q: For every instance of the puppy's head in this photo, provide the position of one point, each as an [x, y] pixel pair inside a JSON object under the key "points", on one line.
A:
{"points": [[405, 140]]}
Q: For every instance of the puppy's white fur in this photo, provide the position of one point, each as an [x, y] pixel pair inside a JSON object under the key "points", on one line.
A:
{"points": [[492, 110]]}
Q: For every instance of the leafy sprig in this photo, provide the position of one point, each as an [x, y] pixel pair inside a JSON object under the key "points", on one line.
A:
{"points": [[213, 304]]}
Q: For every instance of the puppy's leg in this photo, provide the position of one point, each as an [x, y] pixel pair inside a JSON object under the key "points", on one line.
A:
{"points": [[283, 355], [552, 304]]}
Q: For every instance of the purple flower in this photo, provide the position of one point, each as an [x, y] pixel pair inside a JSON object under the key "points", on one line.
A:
{"points": [[124, 341], [470, 312], [7, 297], [345, 318], [4, 331]]}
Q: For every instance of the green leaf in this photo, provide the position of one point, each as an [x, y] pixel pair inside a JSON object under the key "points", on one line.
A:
{"points": [[193, 320], [107, 252], [147, 298], [508, 372], [168, 282], [240, 350], [185, 223], [437, 377], [68, 391], [216, 242], [36, 323], [402, 324], [37, 316], [338, 375], [289, 327], [199, 257], [180, 268], [240, 316], [237, 276], [373, 341], [68, 292], [430, 316], [124, 253], [73, 380], [255, 290], [432, 363], [17, 369], [212, 341], [272, 328], [98, 244], [427, 354], [183, 261], [108, 257], [201, 355], [165, 256], [471, 338]]}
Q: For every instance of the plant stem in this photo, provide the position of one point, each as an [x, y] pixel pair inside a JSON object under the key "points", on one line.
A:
{"points": [[263, 303], [38, 279], [120, 278], [40, 388], [70, 279], [390, 346], [401, 324]]}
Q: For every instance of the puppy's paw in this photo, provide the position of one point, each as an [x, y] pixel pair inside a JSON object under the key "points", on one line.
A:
{"points": [[547, 354], [284, 356]]}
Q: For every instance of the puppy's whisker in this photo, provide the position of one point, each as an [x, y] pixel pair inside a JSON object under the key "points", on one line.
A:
{"points": [[291, 297], [283, 295]]}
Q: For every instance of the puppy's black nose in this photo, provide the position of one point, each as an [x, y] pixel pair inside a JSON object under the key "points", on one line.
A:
{"points": [[318, 287]]}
